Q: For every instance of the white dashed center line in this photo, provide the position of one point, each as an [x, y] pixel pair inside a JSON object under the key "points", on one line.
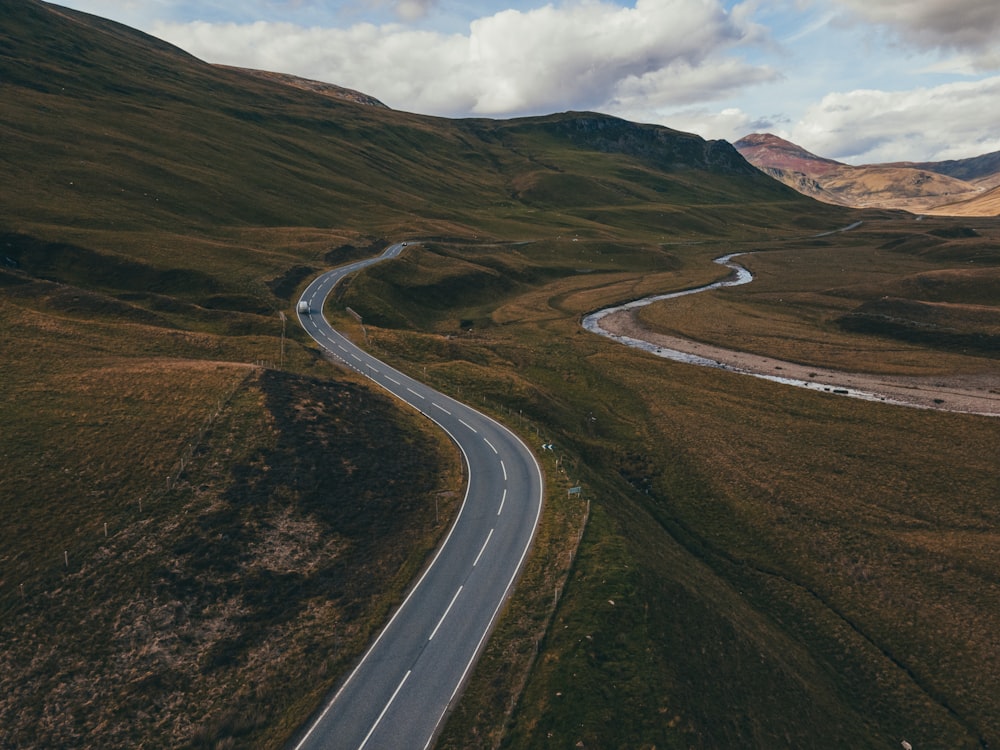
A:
{"points": [[445, 613], [483, 548]]}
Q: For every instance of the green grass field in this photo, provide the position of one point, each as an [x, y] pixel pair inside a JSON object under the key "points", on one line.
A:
{"points": [[759, 566]]}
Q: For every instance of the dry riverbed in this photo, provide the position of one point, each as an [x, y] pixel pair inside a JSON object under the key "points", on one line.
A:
{"points": [[978, 394]]}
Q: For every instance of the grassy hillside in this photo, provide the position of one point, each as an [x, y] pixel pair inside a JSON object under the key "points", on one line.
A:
{"points": [[985, 204], [763, 567], [759, 568]]}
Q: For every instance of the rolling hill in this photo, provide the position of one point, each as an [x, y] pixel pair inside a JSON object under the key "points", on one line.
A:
{"points": [[731, 574], [986, 203], [959, 187]]}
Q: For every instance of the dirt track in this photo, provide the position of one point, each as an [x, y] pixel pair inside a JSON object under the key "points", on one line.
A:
{"points": [[973, 394]]}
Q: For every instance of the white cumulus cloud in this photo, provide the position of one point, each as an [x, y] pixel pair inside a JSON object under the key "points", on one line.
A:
{"points": [[870, 126], [910, 79], [581, 55]]}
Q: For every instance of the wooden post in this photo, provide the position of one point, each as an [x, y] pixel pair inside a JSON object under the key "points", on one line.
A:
{"points": [[282, 355]]}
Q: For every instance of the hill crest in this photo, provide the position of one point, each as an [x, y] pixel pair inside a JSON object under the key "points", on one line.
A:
{"points": [[162, 139], [308, 84], [957, 187], [777, 153]]}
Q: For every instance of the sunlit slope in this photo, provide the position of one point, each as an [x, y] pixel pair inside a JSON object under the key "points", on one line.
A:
{"points": [[950, 188], [985, 204]]}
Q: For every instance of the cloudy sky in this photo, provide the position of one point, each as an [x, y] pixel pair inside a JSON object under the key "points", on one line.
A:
{"points": [[862, 81]]}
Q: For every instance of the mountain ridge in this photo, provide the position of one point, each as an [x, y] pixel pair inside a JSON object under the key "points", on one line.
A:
{"points": [[308, 84], [964, 187], [111, 90]]}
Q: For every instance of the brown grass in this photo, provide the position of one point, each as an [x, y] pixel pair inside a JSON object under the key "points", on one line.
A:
{"points": [[208, 511], [760, 568], [775, 557], [794, 309]]}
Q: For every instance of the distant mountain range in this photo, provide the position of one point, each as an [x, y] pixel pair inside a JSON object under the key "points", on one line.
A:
{"points": [[963, 187]]}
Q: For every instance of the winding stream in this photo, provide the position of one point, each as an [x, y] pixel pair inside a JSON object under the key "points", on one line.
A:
{"points": [[829, 382]]}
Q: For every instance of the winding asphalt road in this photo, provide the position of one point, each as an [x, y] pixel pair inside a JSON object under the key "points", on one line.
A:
{"points": [[399, 693]]}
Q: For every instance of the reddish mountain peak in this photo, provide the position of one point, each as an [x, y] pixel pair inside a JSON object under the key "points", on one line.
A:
{"points": [[765, 150]]}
